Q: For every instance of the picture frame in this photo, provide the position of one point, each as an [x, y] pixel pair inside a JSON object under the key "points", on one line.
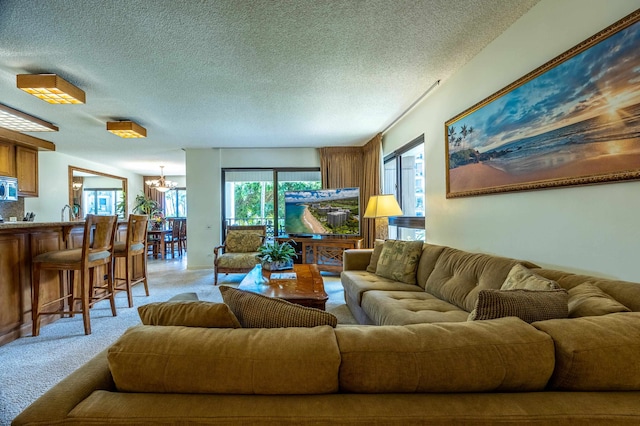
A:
{"points": [[573, 121]]}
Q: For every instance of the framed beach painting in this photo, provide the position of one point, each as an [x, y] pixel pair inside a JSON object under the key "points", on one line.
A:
{"points": [[573, 121]]}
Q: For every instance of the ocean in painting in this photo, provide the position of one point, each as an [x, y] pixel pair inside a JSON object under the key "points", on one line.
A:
{"points": [[294, 222], [591, 138]]}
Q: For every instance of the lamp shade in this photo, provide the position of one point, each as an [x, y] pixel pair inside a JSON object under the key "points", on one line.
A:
{"points": [[382, 206]]}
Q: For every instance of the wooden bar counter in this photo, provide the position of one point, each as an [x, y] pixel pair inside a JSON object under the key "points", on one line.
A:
{"points": [[19, 243]]}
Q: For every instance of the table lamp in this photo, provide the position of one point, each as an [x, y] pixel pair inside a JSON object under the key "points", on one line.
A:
{"points": [[381, 207]]}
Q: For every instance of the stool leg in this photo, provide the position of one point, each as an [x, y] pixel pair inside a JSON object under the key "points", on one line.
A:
{"points": [[85, 288], [128, 266], [112, 299], [35, 301]]}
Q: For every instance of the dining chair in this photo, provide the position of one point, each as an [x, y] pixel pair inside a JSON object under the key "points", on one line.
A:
{"points": [[96, 250], [172, 240], [183, 235], [134, 245]]}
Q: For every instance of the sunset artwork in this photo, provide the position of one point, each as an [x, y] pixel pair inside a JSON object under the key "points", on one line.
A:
{"points": [[573, 121]]}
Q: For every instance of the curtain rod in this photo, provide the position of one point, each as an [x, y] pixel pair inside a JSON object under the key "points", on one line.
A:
{"points": [[433, 86]]}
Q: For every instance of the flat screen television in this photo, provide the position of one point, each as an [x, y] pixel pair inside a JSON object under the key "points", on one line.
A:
{"points": [[322, 212]]}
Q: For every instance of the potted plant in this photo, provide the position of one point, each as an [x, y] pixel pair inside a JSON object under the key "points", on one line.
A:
{"points": [[145, 205], [277, 256]]}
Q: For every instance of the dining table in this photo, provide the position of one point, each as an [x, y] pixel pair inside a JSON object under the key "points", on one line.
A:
{"points": [[158, 236]]}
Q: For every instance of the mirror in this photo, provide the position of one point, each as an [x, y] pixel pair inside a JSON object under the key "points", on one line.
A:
{"points": [[92, 192]]}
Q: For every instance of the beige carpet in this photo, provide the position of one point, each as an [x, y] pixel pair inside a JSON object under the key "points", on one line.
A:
{"points": [[31, 365]]}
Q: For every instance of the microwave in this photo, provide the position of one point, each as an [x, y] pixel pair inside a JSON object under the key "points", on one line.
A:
{"points": [[8, 189]]}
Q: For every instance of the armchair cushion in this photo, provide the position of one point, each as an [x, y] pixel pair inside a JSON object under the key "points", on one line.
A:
{"points": [[238, 260], [243, 241]]}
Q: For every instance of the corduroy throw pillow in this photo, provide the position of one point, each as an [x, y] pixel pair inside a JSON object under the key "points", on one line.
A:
{"points": [[528, 305], [188, 314], [258, 311]]}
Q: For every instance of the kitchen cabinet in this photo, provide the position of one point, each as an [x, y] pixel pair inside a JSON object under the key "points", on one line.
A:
{"points": [[7, 159], [27, 171]]}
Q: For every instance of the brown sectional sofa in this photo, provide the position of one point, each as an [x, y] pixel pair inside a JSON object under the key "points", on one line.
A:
{"points": [[448, 281], [441, 370]]}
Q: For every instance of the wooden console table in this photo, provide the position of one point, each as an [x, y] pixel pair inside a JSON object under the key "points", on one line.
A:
{"points": [[327, 252]]}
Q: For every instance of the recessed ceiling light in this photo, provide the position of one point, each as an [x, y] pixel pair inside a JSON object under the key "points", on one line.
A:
{"points": [[50, 88], [126, 129], [20, 122]]}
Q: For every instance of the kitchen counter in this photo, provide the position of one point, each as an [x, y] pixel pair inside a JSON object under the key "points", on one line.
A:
{"points": [[19, 243], [23, 224]]}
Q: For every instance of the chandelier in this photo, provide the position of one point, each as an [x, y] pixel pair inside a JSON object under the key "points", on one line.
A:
{"points": [[161, 184]]}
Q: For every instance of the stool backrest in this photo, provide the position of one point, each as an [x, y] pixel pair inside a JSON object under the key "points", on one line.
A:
{"points": [[137, 229], [103, 231]]}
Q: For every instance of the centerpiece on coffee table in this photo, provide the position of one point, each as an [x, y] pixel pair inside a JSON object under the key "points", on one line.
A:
{"points": [[277, 256]]}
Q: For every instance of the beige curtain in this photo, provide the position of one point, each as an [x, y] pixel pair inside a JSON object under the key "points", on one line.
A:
{"points": [[152, 193], [355, 166]]}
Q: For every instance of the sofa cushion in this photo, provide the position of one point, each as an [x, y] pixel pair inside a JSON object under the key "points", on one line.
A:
{"points": [[587, 299], [188, 314], [427, 263], [356, 283], [522, 278], [375, 256], [225, 360], [501, 355], [458, 276], [399, 260], [243, 241], [624, 292], [600, 353], [407, 307], [255, 311], [528, 305]]}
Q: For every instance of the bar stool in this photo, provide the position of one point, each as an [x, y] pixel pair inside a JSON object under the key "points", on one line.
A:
{"points": [[95, 252], [134, 245]]}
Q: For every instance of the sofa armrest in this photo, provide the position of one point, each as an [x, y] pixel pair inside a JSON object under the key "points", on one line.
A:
{"points": [[356, 259], [55, 405]]}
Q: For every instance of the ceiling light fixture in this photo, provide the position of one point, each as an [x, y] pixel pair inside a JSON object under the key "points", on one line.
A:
{"points": [[18, 121], [126, 129], [77, 186], [50, 88], [161, 184]]}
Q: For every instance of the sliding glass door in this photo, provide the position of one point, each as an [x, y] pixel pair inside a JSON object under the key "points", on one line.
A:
{"points": [[256, 196]]}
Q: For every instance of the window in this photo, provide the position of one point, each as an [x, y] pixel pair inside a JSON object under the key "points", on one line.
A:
{"points": [[404, 178], [256, 196], [175, 203], [102, 201]]}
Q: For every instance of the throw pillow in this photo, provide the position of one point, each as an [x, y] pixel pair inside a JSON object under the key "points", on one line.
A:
{"points": [[588, 299], [399, 260], [258, 311], [375, 256], [242, 241], [522, 278], [528, 305], [188, 314]]}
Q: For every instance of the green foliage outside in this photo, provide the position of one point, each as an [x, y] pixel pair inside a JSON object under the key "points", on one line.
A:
{"points": [[249, 196]]}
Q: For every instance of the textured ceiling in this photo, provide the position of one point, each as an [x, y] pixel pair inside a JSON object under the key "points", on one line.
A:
{"points": [[236, 73]]}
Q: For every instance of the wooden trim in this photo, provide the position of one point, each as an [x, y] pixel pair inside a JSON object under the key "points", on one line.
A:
{"points": [[26, 140]]}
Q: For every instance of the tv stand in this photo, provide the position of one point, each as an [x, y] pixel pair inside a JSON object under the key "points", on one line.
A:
{"points": [[326, 252]]}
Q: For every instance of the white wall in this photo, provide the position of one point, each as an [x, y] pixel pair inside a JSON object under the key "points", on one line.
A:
{"points": [[591, 229], [53, 184], [204, 174]]}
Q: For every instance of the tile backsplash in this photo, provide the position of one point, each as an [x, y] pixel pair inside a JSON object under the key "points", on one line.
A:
{"points": [[12, 208]]}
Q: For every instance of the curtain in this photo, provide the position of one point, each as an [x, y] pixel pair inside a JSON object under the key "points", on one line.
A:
{"points": [[355, 167], [152, 193]]}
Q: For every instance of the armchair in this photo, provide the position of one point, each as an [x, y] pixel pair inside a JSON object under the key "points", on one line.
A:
{"points": [[238, 253]]}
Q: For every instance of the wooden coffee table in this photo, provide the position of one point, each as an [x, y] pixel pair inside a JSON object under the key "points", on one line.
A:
{"points": [[307, 289]]}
